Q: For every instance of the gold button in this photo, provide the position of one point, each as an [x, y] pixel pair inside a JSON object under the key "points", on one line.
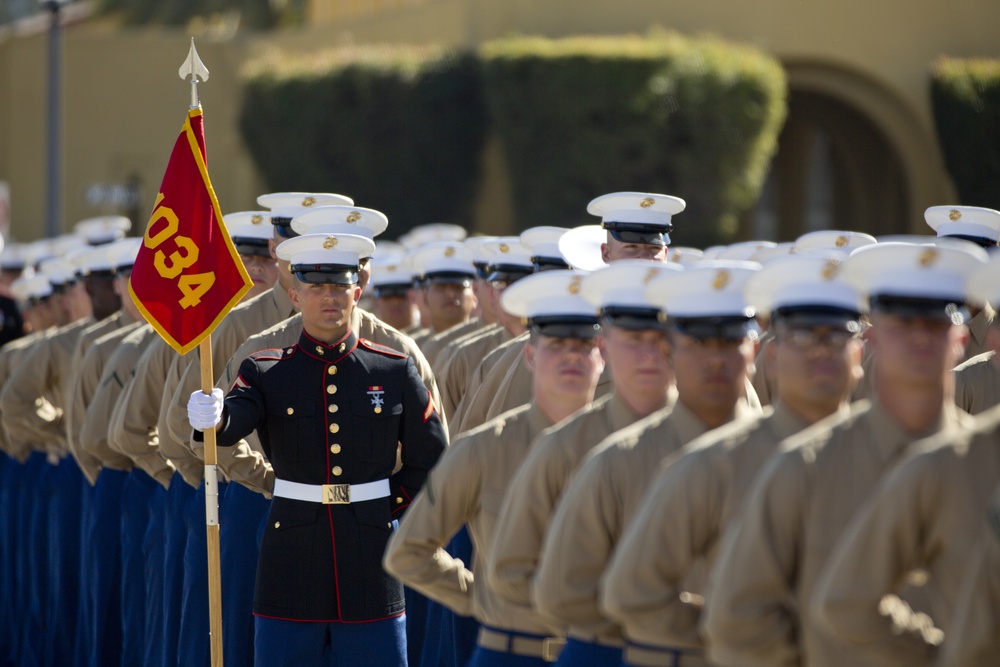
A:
{"points": [[291, 411], [333, 408], [332, 389], [277, 524], [332, 370], [389, 524], [399, 501], [335, 448], [337, 471], [319, 350], [378, 410], [343, 346], [290, 350], [334, 428]]}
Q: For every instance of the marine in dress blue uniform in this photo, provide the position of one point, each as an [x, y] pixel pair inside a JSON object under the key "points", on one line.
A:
{"points": [[331, 412]]}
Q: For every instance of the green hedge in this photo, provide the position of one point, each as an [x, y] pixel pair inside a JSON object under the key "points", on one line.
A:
{"points": [[398, 129], [402, 129], [965, 96], [583, 116]]}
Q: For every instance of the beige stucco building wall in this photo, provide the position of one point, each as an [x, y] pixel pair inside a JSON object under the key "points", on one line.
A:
{"points": [[859, 111]]}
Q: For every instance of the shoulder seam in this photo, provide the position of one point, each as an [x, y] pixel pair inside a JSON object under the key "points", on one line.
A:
{"points": [[375, 347]]}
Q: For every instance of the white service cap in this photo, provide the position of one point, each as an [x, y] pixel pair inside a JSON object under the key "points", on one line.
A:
{"points": [[341, 220], [982, 225], [443, 260], [326, 258], [706, 300], [810, 284], [552, 303], [103, 229], [286, 205], [913, 280], [637, 217]]}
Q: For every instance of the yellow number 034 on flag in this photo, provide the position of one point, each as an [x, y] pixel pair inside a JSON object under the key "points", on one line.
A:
{"points": [[187, 275]]}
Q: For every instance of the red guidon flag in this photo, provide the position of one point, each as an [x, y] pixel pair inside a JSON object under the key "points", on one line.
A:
{"points": [[187, 275]]}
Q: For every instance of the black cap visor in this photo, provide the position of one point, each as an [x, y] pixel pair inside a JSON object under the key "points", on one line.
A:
{"points": [[449, 278], [584, 327], [509, 273], [284, 227], [251, 246], [326, 274], [940, 309], [635, 232], [725, 327], [391, 289], [981, 241], [817, 315], [549, 263], [634, 319]]}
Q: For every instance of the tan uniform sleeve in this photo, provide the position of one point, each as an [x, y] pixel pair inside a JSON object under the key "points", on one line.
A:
{"points": [[27, 416], [578, 546], [148, 458], [416, 554], [524, 521], [174, 449], [136, 432], [888, 537], [751, 616], [80, 392], [675, 527], [93, 437], [974, 640]]}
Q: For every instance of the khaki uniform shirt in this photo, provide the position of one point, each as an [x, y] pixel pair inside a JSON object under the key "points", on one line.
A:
{"points": [[11, 356], [977, 383], [245, 462], [140, 445], [535, 491], [32, 398], [467, 486], [134, 428], [676, 532], [593, 514], [434, 345], [74, 405], [461, 364], [80, 394], [446, 353], [471, 410], [978, 327], [974, 640], [800, 504], [917, 519]]}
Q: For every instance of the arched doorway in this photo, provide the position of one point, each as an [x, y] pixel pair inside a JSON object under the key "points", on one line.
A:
{"points": [[852, 155]]}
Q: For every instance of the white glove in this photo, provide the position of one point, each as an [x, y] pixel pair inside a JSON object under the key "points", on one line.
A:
{"points": [[205, 410]]}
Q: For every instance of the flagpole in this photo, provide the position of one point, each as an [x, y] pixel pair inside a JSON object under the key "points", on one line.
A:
{"points": [[194, 68]]}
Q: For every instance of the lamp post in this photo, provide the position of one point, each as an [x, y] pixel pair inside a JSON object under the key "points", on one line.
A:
{"points": [[53, 166]]}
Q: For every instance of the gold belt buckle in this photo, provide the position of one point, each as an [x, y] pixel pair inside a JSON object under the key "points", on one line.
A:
{"points": [[336, 494], [551, 648]]}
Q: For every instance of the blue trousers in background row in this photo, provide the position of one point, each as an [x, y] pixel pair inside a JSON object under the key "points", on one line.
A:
{"points": [[153, 556], [102, 583], [67, 507], [174, 541], [584, 654], [449, 639], [241, 514], [135, 500]]}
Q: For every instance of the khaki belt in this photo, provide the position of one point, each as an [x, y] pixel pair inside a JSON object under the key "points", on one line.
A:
{"points": [[529, 646], [331, 494], [662, 656]]}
